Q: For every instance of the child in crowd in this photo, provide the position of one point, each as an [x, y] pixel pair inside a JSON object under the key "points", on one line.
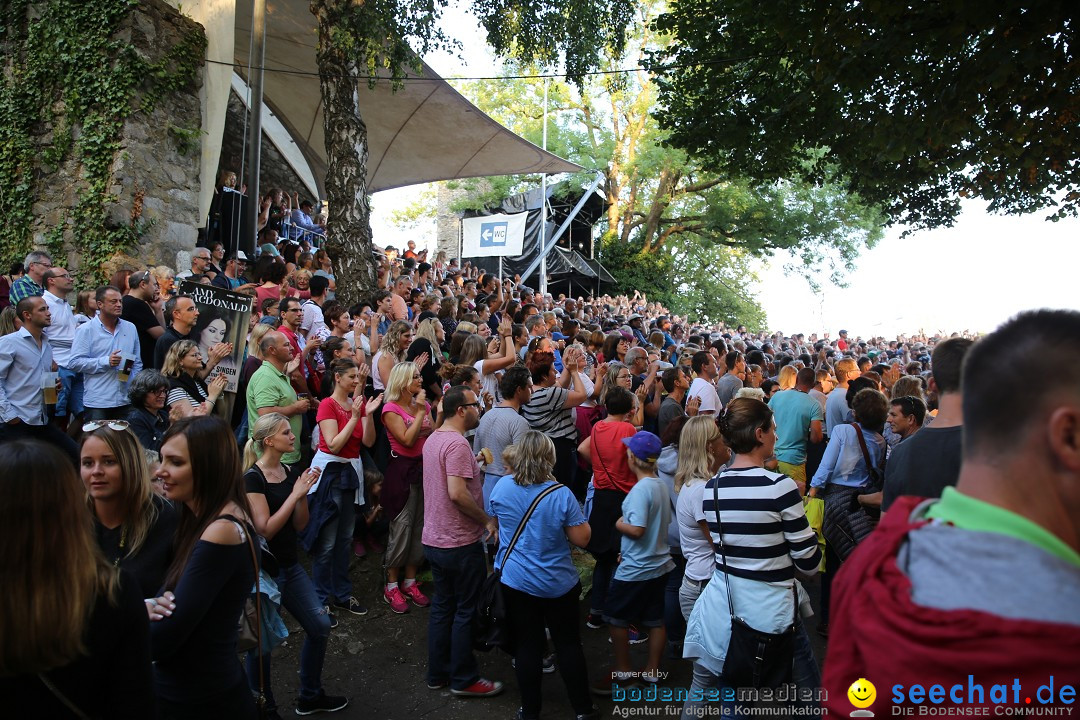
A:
{"points": [[370, 533], [637, 590]]}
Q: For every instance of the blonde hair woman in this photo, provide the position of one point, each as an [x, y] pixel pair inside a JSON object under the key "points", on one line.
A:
{"points": [[701, 454], [392, 350], [279, 510], [428, 342], [406, 415], [75, 632], [134, 525], [187, 391], [541, 585], [786, 378]]}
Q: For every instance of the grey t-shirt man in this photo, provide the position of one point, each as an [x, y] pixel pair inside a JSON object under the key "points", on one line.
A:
{"points": [[499, 427], [726, 387]]}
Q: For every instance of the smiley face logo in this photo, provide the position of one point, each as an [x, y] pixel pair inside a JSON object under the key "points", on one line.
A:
{"points": [[862, 694]]}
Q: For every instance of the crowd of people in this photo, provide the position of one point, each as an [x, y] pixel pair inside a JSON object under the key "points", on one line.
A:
{"points": [[710, 472]]}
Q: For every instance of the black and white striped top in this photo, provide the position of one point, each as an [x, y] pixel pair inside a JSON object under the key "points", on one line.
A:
{"points": [[766, 534], [546, 411]]}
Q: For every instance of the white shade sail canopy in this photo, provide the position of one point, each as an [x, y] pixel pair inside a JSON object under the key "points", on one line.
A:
{"points": [[423, 132]]}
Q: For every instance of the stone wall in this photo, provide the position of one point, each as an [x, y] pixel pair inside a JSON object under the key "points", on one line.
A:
{"points": [[155, 176], [274, 170]]}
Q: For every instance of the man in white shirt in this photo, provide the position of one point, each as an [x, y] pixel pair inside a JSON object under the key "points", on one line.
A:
{"points": [[704, 366], [61, 333]]}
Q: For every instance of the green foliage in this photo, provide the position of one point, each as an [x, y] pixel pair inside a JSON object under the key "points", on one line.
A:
{"points": [[914, 105], [66, 71], [664, 204], [694, 279], [188, 140], [420, 210]]}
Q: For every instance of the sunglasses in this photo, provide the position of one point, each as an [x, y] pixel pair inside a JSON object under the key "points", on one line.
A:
{"points": [[93, 425]]}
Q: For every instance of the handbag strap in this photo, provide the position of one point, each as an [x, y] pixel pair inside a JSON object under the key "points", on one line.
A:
{"points": [[64, 699], [596, 449], [723, 554], [258, 601], [525, 519], [871, 471]]}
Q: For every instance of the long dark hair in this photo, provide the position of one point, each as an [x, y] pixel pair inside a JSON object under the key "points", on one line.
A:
{"points": [[216, 477]]}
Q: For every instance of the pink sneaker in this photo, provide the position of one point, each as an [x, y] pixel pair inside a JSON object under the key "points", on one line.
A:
{"points": [[419, 599], [396, 600]]}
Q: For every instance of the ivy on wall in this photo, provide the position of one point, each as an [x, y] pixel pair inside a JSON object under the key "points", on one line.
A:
{"points": [[67, 71]]}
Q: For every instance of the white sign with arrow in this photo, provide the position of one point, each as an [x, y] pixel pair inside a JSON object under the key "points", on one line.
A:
{"points": [[493, 235]]}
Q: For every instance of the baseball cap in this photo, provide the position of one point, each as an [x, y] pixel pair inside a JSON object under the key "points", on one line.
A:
{"points": [[240, 255], [269, 249], [644, 445]]}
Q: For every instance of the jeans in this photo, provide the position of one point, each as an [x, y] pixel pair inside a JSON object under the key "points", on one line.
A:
{"points": [[528, 615], [45, 433], [804, 673], [689, 592], [458, 573], [299, 598], [673, 617], [70, 399], [330, 559]]}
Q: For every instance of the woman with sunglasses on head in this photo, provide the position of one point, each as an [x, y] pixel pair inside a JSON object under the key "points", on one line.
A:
{"points": [[407, 417], [279, 509], [194, 623], [74, 629], [187, 391], [148, 417], [135, 526], [345, 428]]}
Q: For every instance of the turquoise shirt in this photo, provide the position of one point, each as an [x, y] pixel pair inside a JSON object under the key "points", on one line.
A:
{"points": [[794, 411]]}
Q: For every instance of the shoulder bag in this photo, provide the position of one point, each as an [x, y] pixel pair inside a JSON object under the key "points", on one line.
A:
{"points": [[876, 481], [490, 626], [754, 658]]}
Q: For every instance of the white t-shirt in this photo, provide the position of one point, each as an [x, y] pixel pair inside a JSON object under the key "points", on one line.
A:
{"points": [[489, 382], [699, 554], [376, 377], [589, 386], [710, 401]]}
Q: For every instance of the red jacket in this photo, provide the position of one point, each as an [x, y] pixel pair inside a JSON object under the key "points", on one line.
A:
{"points": [[876, 632]]}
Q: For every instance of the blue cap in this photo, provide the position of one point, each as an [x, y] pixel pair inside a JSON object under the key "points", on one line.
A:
{"points": [[644, 445]]}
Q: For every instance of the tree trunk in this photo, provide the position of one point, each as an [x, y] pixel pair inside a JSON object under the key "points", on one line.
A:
{"points": [[349, 224]]}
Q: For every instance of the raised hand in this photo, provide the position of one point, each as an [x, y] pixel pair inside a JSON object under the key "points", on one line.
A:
{"points": [[373, 404]]}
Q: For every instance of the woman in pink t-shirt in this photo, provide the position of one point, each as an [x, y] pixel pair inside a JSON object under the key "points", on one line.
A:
{"points": [[407, 417]]}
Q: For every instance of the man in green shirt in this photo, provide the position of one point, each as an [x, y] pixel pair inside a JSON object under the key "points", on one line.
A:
{"points": [[269, 390]]}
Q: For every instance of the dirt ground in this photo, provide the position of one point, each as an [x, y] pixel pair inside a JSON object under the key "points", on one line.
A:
{"points": [[379, 662]]}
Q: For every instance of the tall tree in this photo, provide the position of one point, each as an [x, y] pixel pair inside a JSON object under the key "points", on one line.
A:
{"points": [[917, 104], [357, 40], [673, 227]]}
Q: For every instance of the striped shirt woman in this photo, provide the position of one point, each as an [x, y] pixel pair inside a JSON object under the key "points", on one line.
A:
{"points": [[758, 524]]}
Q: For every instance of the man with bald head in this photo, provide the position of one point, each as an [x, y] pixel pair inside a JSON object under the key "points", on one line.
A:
{"points": [[269, 390]]}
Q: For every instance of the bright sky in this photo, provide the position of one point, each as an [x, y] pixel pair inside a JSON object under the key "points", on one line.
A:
{"points": [[973, 276]]}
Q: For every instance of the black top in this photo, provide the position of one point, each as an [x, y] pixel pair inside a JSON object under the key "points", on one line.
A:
{"points": [[138, 313], [113, 680], [149, 428], [282, 545], [150, 564], [161, 349], [923, 465], [430, 372], [195, 649]]}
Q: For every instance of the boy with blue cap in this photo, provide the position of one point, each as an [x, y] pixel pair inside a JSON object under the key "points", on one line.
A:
{"points": [[637, 590]]}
